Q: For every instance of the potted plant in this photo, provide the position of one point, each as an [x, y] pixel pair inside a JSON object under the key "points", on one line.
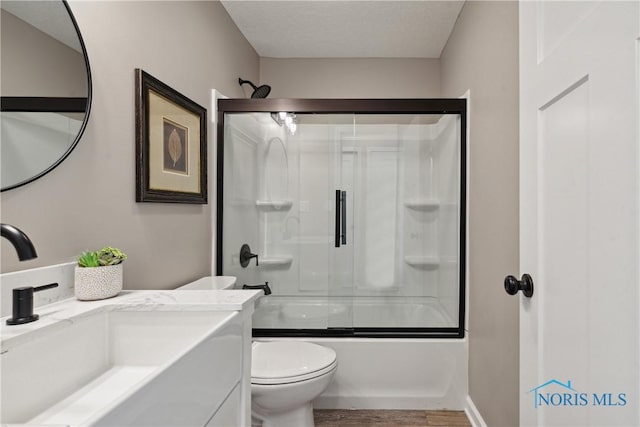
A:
{"points": [[98, 274]]}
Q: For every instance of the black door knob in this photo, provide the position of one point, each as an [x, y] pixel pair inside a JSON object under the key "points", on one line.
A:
{"points": [[513, 285]]}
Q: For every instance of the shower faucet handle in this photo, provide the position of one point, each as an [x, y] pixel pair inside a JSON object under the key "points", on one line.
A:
{"points": [[246, 255]]}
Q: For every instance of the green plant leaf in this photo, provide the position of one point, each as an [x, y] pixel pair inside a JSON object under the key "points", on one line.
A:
{"points": [[88, 259]]}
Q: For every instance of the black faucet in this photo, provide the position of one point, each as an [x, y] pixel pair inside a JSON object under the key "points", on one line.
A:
{"points": [[20, 242], [265, 287]]}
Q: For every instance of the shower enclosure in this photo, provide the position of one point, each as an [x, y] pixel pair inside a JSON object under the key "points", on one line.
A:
{"points": [[355, 210]]}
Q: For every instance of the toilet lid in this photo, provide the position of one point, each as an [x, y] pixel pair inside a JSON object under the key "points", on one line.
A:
{"points": [[289, 361]]}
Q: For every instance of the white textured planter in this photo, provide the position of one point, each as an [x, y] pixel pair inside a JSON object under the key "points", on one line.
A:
{"points": [[93, 283]]}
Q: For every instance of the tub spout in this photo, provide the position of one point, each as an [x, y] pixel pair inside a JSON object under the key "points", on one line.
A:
{"points": [[265, 287]]}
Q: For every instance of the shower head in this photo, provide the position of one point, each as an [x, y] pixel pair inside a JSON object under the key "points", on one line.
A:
{"points": [[258, 92]]}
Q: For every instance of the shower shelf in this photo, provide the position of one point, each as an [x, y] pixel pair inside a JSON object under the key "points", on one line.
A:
{"points": [[274, 204], [276, 260], [422, 261], [422, 204]]}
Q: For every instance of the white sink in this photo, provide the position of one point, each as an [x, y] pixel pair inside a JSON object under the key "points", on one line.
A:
{"points": [[118, 366]]}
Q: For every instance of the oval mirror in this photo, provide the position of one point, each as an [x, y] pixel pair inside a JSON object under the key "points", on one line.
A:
{"points": [[45, 88]]}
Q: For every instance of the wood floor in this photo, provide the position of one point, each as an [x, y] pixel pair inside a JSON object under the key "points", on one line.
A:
{"points": [[389, 418]]}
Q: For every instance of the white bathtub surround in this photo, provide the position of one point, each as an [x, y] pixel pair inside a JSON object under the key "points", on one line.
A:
{"points": [[94, 283], [100, 362]]}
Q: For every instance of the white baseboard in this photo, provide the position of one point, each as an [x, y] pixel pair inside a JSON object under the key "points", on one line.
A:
{"points": [[473, 414], [388, 402]]}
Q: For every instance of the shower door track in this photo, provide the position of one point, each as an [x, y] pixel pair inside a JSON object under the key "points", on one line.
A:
{"points": [[359, 333], [354, 106]]}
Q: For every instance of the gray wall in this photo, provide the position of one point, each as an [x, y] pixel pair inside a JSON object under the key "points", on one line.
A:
{"points": [[482, 55], [351, 78], [89, 200]]}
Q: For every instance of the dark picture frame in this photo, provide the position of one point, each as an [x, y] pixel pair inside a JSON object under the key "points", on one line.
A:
{"points": [[171, 144]]}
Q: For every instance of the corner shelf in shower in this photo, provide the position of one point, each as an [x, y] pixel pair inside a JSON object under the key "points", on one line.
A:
{"points": [[422, 261], [422, 204], [276, 260], [277, 205]]}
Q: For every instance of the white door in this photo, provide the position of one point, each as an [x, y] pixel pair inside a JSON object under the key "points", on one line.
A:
{"points": [[579, 231]]}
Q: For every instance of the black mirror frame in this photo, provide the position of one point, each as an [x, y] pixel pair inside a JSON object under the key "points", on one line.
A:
{"points": [[87, 110]]}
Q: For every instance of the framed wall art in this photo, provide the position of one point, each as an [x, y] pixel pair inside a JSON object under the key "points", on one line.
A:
{"points": [[171, 144]]}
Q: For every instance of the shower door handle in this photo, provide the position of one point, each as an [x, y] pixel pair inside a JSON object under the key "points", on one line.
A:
{"points": [[341, 218], [338, 217], [343, 208]]}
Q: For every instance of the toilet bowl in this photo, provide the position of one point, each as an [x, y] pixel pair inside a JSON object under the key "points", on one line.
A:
{"points": [[285, 377]]}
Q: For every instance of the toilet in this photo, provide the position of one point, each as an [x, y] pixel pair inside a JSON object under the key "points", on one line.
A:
{"points": [[285, 377]]}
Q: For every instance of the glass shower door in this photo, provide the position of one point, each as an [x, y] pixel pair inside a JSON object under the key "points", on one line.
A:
{"points": [[321, 226], [395, 263], [274, 200], [357, 219], [407, 222]]}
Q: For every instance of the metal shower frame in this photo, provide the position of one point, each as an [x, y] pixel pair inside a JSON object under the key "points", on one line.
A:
{"points": [[354, 106]]}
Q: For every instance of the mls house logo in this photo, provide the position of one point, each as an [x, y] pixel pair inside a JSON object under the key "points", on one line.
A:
{"points": [[556, 393]]}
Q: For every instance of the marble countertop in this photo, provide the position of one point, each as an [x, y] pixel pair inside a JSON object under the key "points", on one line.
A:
{"points": [[64, 312]]}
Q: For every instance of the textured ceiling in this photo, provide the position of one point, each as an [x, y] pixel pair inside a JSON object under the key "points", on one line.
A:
{"points": [[345, 29]]}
